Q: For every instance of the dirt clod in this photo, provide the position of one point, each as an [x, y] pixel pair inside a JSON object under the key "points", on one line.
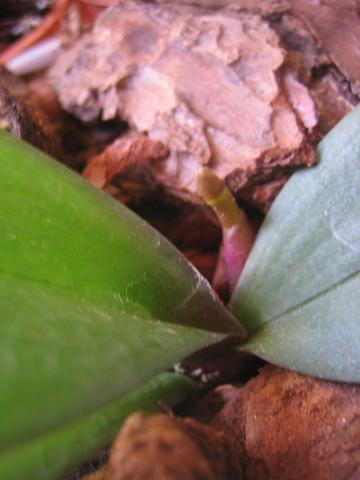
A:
{"points": [[291, 427], [159, 447]]}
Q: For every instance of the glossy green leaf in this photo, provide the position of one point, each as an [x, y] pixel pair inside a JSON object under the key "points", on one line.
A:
{"points": [[93, 303], [299, 292]]}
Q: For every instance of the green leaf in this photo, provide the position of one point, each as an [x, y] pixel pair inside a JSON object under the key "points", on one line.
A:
{"points": [[299, 292], [93, 303], [50, 454]]}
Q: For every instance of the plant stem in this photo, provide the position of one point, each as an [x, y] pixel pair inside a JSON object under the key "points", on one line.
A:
{"points": [[238, 235]]}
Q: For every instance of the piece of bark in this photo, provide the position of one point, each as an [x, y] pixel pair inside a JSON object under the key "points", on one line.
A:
{"points": [[124, 153], [41, 92], [301, 101], [160, 447], [280, 426], [192, 229], [336, 25], [259, 186], [98, 475], [332, 99], [204, 262], [329, 26], [205, 408], [292, 427], [316, 35], [263, 7], [23, 116], [308, 57], [204, 82], [135, 186], [304, 51]]}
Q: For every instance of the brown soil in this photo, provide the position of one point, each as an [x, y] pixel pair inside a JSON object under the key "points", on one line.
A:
{"points": [[280, 425]]}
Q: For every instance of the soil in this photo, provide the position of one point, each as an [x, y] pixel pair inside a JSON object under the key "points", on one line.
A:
{"points": [[280, 425]]}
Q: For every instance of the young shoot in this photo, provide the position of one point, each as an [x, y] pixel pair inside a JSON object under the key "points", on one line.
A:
{"points": [[238, 235]]}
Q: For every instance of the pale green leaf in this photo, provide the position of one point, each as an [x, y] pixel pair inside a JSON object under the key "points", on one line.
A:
{"points": [[299, 292]]}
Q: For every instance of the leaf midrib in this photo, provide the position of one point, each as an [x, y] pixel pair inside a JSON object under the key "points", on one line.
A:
{"points": [[302, 304], [92, 299]]}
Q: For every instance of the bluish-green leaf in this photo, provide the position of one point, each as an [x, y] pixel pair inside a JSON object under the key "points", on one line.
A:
{"points": [[93, 303], [299, 293]]}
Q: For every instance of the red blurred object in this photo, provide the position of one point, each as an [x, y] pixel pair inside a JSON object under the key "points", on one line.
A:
{"points": [[49, 24], [89, 10]]}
